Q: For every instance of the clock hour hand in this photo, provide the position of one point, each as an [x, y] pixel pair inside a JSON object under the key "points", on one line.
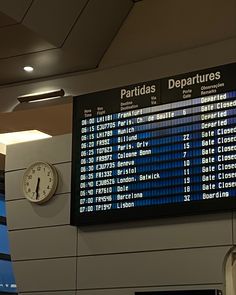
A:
{"points": [[37, 188]]}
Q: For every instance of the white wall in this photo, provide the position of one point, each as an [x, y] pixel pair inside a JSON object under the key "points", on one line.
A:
{"points": [[50, 256]]}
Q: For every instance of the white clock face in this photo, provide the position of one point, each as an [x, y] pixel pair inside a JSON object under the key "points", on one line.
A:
{"points": [[40, 182]]}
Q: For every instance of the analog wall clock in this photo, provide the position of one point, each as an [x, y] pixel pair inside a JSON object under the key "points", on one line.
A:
{"points": [[40, 182]]}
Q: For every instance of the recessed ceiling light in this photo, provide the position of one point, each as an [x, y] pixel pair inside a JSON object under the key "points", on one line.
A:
{"points": [[28, 69]]}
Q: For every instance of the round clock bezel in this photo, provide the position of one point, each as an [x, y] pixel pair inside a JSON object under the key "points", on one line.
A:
{"points": [[54, 184]]}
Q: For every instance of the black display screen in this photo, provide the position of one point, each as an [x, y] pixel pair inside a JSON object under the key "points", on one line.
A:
{"points": [[7, 280], [157, 148]]}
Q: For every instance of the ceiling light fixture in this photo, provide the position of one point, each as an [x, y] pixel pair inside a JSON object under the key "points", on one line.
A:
{"points": [[22, 136], [2, 149], [35, 97], [28, 69]]}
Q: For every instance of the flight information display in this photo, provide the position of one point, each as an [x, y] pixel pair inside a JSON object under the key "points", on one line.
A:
{"points": [[7, 280], [156, 148], [4, 243], [2, 206]]}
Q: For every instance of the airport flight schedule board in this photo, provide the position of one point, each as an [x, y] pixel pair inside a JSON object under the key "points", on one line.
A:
{"points": [[157, 148], [7, 280]]}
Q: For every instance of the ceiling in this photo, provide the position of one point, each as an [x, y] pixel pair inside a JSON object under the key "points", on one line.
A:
{"points": [[56, 36], [69, 41]]}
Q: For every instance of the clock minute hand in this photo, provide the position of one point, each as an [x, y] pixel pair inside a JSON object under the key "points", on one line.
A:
{"points": [[37, 188]]}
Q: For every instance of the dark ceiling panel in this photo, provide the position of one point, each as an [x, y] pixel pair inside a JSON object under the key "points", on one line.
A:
{"points": [[6, 20], [18, 40], [157, 28], [91, 36], [45, 63], [96, 28], [16, 9], [53, 19]]}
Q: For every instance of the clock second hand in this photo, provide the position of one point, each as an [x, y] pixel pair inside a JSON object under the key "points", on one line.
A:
{"points": [[37, 188]]}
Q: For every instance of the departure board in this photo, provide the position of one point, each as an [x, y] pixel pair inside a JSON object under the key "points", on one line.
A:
{"points": [[158, 148], [7, 280]]}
